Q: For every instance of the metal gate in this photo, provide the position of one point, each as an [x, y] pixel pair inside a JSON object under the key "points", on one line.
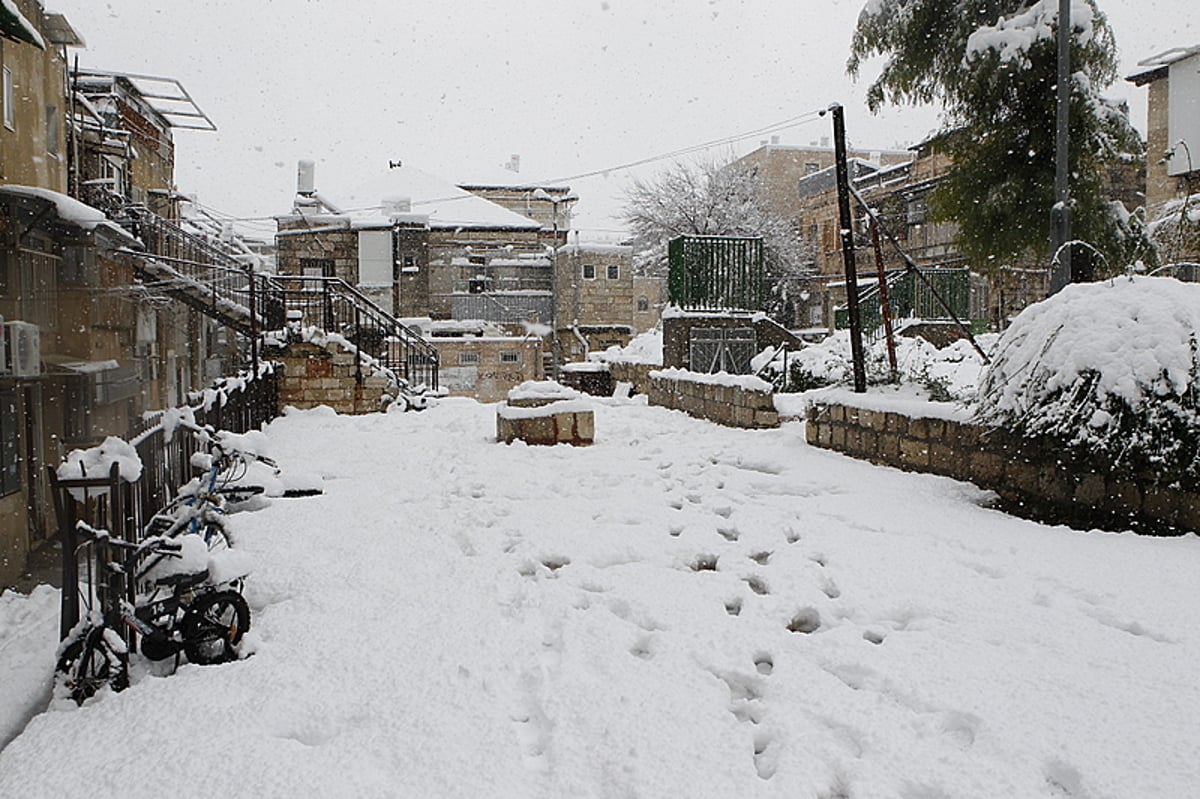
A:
{"points": [[722, 349]]}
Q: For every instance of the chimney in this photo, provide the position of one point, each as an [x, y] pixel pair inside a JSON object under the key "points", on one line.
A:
{"points": [[774, 140], [304, 178]]}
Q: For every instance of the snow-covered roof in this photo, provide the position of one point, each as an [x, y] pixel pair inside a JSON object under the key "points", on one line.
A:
{"points": [[14, 25], [69, 209], [447, 205], [1155, 63]]}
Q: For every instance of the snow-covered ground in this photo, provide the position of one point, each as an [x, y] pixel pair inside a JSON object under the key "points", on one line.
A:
{"points": [[679, 610]]}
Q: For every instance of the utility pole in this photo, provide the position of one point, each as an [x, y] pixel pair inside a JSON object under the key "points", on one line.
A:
{"points": [[846, 220], [1060, 214]]}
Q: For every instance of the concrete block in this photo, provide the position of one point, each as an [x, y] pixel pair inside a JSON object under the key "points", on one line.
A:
{"points": [[766, 418]]}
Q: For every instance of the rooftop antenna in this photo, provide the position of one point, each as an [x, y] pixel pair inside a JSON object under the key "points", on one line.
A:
{"points": [[395, 164]]}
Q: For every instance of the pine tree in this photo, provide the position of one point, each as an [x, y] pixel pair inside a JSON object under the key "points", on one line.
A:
{"points": [[992, 64]]}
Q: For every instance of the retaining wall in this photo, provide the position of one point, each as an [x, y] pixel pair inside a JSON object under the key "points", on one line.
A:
{"points": [[728, 404], [1031, 481], [315, 376]]}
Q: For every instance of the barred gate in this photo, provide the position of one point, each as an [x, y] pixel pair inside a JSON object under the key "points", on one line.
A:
{"points": [[720, 349]]}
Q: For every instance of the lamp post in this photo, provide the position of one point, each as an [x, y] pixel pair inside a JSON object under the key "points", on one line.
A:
{"points": [[1060, 215]]}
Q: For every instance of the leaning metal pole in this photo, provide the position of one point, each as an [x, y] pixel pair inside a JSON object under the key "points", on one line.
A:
{"points": [[911, 266], [1060, 215], [847, 224]]}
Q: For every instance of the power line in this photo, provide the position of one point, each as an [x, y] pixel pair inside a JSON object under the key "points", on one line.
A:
{"points": [[775, 127]]}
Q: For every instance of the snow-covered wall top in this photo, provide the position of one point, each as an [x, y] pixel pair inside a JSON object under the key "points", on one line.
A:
{"points": [[749, 382]]}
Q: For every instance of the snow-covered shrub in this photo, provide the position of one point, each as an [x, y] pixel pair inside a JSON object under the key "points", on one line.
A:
{"points": [[949, 374], [1109, 372]]}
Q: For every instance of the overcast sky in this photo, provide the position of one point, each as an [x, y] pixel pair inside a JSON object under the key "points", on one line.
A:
{"points": [[455, 88]]}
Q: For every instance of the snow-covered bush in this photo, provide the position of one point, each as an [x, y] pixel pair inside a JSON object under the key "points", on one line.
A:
{"points": [[1106, 371], [947, 374]]}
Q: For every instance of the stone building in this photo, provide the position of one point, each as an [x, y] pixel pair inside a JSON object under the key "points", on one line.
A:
{"points": [[88, 345], [1172, 79], [421, 247]]}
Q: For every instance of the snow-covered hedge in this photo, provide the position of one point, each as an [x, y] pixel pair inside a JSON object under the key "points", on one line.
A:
{"points": [[1107, 371]]}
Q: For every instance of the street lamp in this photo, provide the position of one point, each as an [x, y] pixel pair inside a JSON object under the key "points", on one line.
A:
{"points": [[555, 352]]}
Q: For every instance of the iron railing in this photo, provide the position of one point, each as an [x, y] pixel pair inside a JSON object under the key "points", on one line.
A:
{"points": [[716, 273], [124, 508], [209, 278], [911, 298], [335, 307]]}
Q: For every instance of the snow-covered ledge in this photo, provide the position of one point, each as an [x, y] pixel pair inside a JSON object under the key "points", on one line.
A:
{"points": [[547, 413], [940, 438], [731, 400]]}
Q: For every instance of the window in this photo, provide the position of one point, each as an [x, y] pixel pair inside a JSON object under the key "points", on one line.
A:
{"points": [[510, 357], [589, 271], [811, 167], [643, 304], [316, 267], [916, 210], [10, 111], [10, 477], [375, 258], [614, 271], [465, 358]]}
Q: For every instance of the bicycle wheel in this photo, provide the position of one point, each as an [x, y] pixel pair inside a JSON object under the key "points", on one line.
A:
{"points": [[91, 662], [213, 625], [215, 536]]}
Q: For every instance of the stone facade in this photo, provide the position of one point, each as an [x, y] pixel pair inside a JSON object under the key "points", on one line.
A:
{"points": [[729, 405], [1161, 187], [1030, 482], [487, 368], [315, 376]]}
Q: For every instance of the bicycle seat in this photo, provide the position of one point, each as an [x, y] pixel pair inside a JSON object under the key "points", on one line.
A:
{"points": [[183, 580]]}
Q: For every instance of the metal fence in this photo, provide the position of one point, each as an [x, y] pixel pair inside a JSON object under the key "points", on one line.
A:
{"points": [[124, 508], [334, 306], [716, 273], [912, 298]]}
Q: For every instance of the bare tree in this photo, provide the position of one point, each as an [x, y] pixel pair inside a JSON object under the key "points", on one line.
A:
{"points": [[711, 199]]}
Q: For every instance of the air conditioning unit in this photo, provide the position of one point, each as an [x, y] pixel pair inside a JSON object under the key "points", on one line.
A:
{"points": [[23, 349]]}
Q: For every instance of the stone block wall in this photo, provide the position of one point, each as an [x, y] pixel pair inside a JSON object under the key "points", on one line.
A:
{"points": [[729, 405], [1033, 482], [316, 376], [575, 427], [636, 374]]}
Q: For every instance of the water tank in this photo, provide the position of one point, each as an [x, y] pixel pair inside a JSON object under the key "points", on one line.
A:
{"points": [[305, 176]]}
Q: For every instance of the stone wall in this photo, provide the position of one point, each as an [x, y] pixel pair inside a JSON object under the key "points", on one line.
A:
{"points": [[1033, 482], [730, 405], [316, 376], [636, 374]]}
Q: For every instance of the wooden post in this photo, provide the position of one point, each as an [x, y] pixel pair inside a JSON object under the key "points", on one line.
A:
{"points": [[846, 220], [885, 303]]}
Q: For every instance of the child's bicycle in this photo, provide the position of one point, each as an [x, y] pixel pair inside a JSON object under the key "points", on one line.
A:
{"points": [[184, 611]]}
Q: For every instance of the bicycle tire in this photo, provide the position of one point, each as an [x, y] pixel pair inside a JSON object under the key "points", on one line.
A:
{"points": [[89, 663], [213, 626]]}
